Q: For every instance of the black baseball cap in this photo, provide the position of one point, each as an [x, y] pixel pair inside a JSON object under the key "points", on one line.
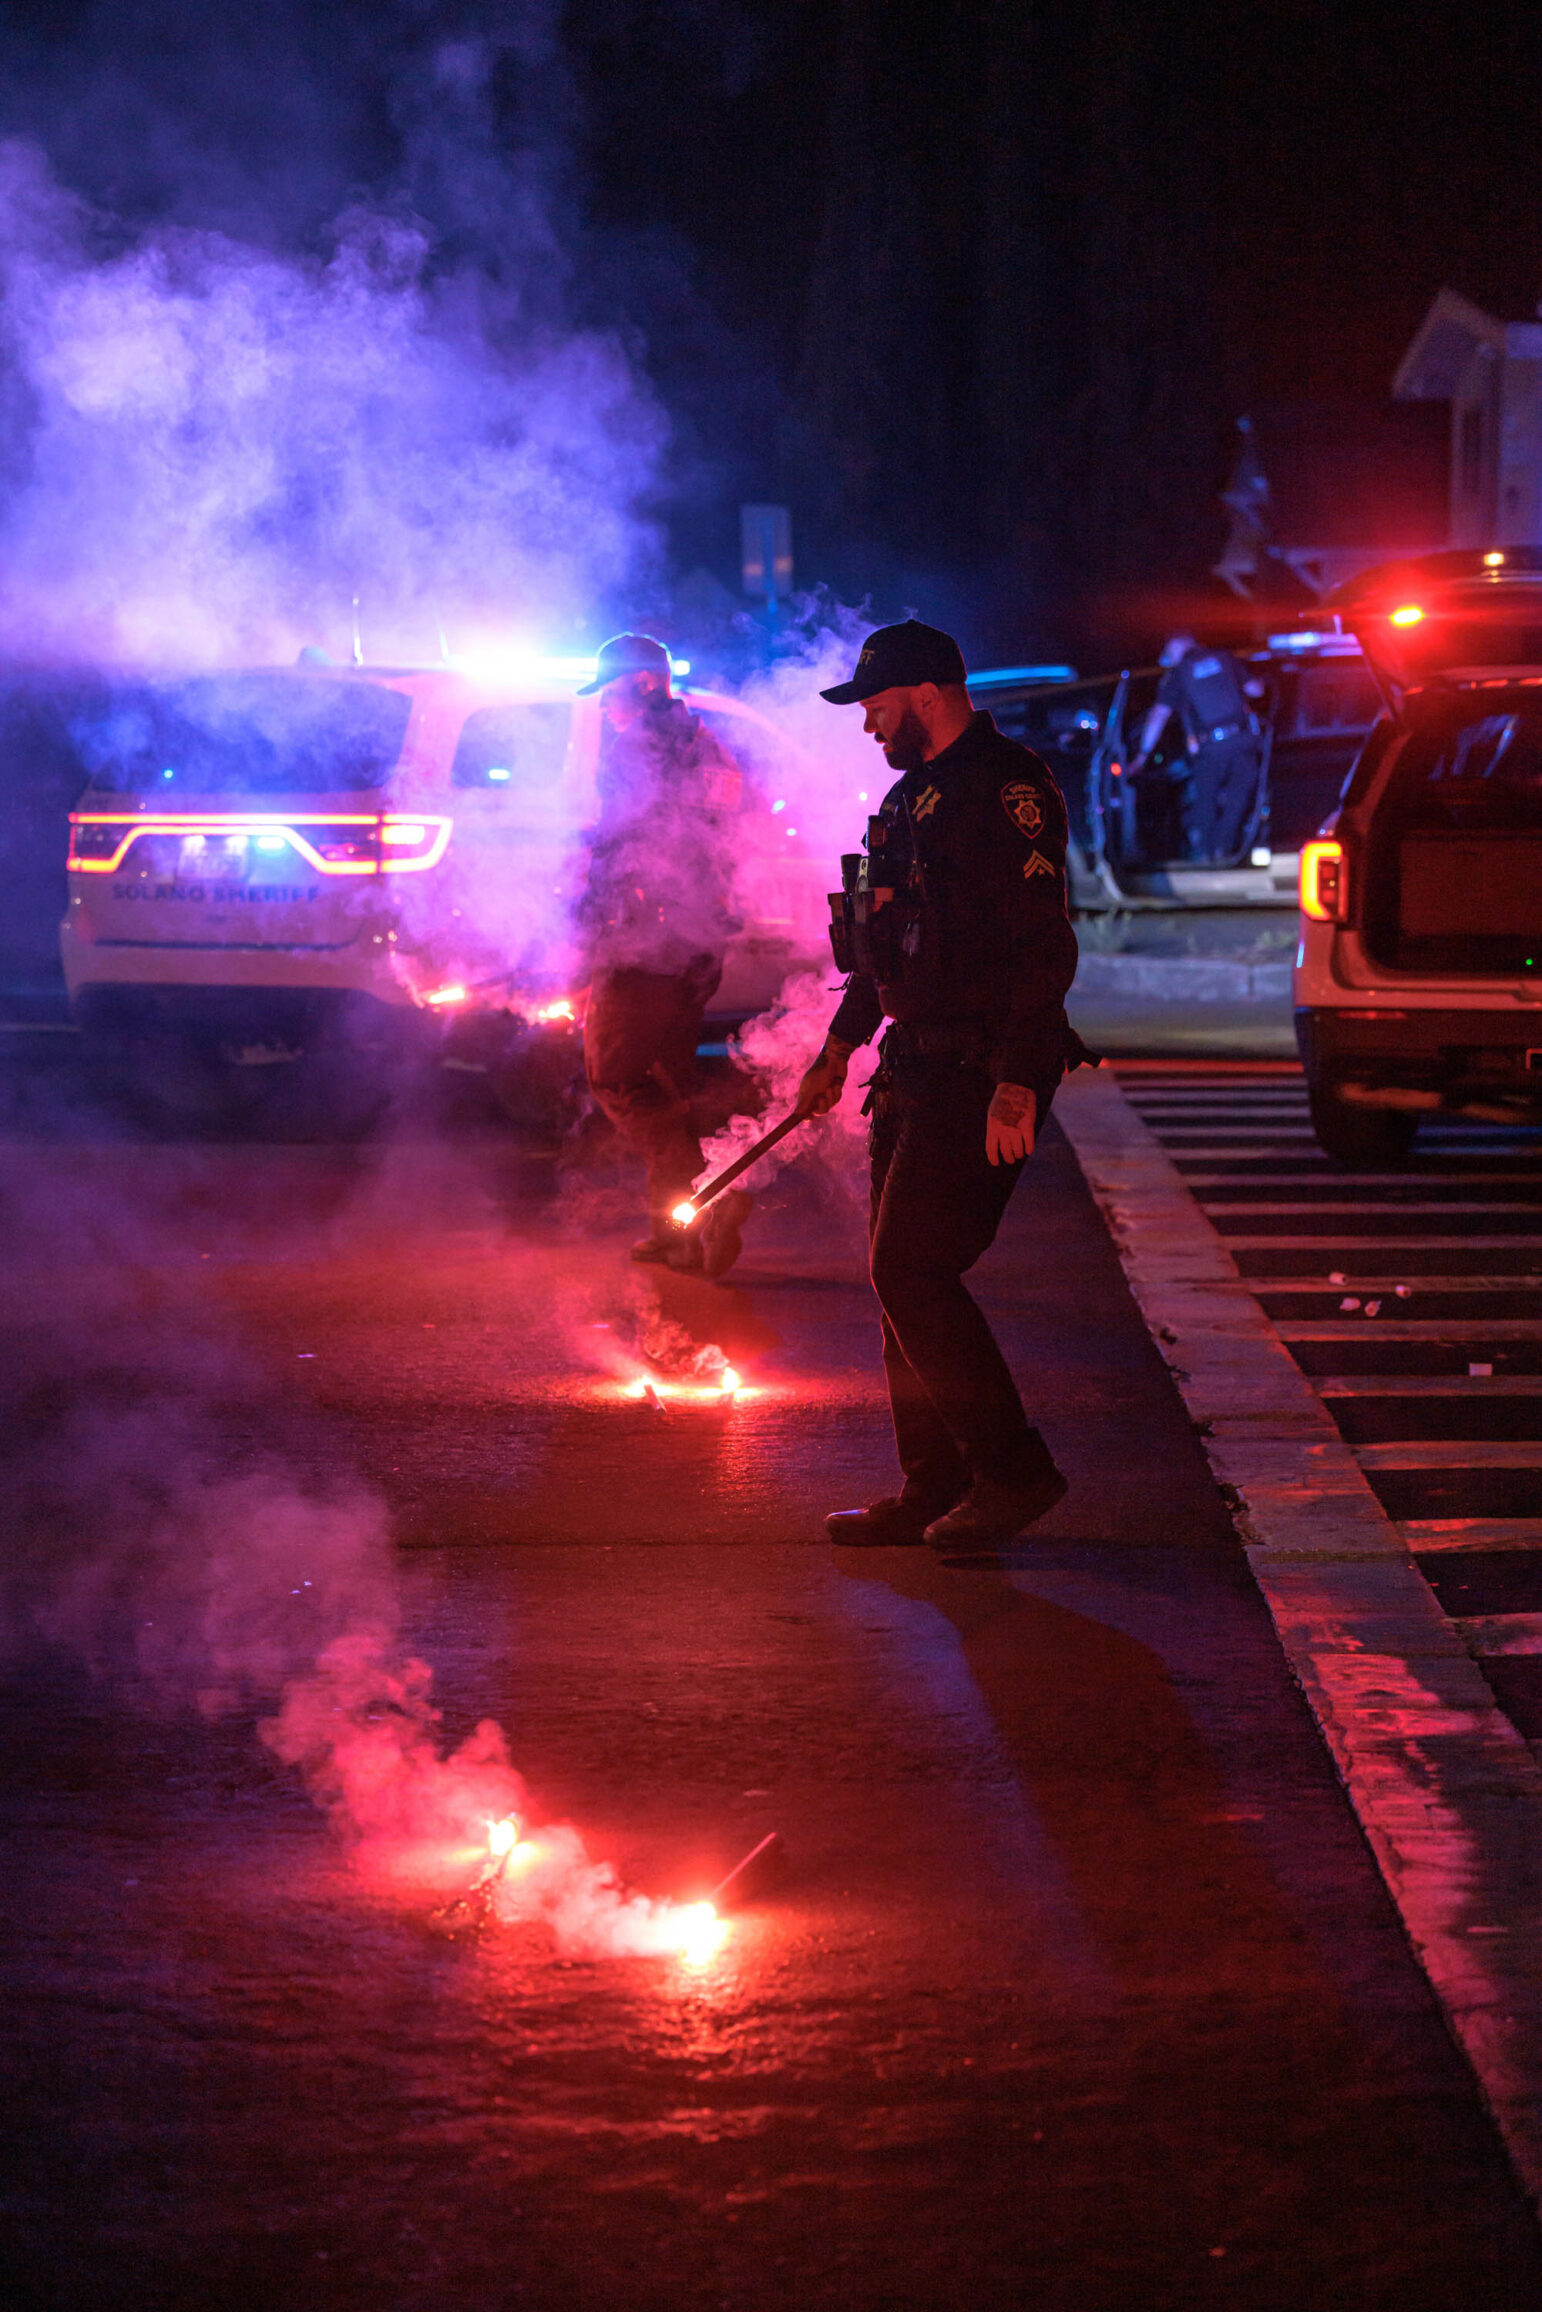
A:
{"points": [[898, 658], [627, 654]]}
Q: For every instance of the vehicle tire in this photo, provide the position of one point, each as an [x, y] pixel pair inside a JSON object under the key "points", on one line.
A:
{"points": [[537, 1079], [1366, 1138]]}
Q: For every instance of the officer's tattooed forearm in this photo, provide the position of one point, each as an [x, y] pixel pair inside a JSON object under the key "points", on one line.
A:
{"points": [[1011, 1103]]}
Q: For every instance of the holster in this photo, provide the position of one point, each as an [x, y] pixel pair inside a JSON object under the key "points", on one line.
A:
{"points": [[872, 936]]}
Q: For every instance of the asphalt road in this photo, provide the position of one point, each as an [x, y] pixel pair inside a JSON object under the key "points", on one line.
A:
{"points": [[1081, 1989]]}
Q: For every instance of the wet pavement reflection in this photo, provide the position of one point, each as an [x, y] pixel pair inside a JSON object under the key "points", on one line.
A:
{"points": [[1080, 1989]]}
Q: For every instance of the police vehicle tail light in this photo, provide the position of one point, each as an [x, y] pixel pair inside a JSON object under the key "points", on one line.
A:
{"points": [[409, 842], [1324, 880], [330, 843], [1407, 614], [94, 847], [353, 851]]}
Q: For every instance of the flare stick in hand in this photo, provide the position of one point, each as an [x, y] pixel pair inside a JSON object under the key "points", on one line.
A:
{"points": [[693, 1206]]}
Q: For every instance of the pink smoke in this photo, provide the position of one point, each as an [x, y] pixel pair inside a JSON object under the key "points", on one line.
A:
{"points": [[777, 1046], [363, 1731], [225, 446]]}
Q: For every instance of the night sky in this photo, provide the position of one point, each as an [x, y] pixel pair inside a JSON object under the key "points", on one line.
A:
{"points": [[978, 289]]}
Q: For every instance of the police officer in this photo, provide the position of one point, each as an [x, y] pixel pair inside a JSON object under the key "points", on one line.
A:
{"points": [[957, 928], [655, 919], [1207, 693]]}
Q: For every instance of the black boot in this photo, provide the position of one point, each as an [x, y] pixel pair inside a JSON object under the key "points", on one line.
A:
{"points": [[894, 1522], [991, 1512]]}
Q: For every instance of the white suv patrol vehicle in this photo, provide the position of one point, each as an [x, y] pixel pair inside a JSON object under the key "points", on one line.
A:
{"points": [[346, 860], [1418, 982]]}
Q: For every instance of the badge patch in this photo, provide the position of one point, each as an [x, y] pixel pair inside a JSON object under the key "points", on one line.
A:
{"points": [[926, 803], [1036, 864], [1023, 807]]}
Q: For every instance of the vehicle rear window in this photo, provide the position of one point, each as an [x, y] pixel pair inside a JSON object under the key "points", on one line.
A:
{"points": [[1455, 865], [1481, 771], [512, 746], [1332, 697], [243, 734]]}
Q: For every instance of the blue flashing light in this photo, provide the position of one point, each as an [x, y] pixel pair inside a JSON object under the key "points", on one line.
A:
{"points": [[498, 772], [1000, 674], [168, 774], [1331, 645], [779, 806]]}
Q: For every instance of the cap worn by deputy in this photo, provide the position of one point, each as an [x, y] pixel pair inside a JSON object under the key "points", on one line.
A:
{"points": [[627, 654], [901, 658]]}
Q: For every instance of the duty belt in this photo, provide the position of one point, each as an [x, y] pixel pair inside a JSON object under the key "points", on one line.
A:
{"points": [[967, 1043]]}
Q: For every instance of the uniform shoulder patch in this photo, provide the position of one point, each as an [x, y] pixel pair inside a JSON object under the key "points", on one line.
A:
{"points": [[1024, 806]]}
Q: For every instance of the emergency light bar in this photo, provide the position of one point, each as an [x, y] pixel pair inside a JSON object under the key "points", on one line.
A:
{"points": [[1313, 638], [992, 675], [518, 663], [332, 842]]}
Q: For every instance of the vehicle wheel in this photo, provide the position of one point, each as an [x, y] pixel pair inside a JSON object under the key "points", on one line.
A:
{"points": [[1366, 1138], [537, 1079]]}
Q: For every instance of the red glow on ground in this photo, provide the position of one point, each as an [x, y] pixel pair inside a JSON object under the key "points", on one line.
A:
{"points": [[725, 1388]]}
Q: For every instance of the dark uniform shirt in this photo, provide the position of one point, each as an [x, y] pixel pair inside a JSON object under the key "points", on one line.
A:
{"points": [[661, 868], [997, 949], [1204, 690]]}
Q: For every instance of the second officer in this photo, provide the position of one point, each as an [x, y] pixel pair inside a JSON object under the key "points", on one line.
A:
{"points": [[655, 918], [955, 929]]}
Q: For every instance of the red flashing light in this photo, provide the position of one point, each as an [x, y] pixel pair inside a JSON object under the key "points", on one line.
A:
{"points": [[1409, 614]]}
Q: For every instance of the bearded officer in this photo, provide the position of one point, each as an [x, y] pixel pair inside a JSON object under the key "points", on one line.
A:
{"points": [[957, 932]]}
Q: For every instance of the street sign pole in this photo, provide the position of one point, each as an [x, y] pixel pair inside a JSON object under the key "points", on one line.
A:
{"points": [[765, 557]]}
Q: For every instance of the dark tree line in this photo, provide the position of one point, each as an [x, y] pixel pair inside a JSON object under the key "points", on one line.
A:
{"points": [[1010, 272], [979, 287]]}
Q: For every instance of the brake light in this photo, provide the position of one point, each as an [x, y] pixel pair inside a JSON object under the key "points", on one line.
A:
{"points": [[1409, 615], [409, 843], [94, 848], [331, 842], [1324, 880]]}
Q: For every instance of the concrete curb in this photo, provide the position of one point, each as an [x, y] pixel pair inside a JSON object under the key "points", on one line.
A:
{"points": [[1447, 1792], [1182, 979]]}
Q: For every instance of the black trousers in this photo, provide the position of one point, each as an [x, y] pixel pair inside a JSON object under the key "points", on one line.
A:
{"points": [[640, 1036], [1223, 788], [937, 1203]]}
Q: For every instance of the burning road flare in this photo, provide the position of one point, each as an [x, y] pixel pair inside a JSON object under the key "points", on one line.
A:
{"points": [[691, 1208], [474, 1908], [694, 1932], [364, 1732]]}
